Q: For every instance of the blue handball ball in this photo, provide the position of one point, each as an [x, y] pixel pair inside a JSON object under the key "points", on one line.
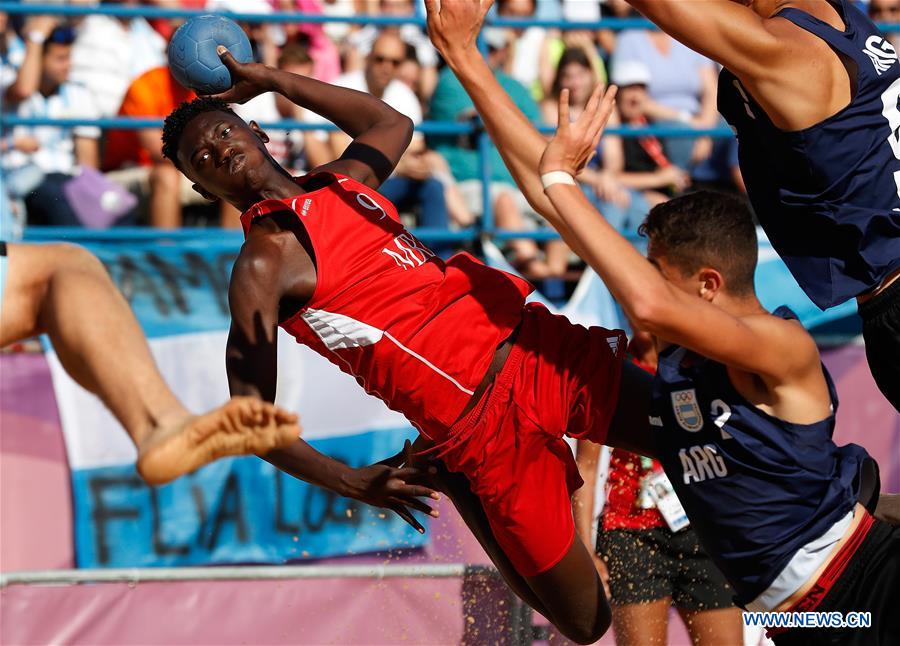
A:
{"points": [[193, 58]]}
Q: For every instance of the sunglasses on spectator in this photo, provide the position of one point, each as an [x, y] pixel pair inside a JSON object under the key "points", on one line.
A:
{"points": [[379, 60], [880, 12]]}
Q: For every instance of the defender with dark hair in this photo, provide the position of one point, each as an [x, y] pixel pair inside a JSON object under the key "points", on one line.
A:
{"points": [[743, 409], [707, 229]]}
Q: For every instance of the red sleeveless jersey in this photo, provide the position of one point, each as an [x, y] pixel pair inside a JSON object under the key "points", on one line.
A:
{"points": [[414, 331]]}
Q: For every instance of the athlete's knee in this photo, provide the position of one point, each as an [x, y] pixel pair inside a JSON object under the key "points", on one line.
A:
{"points": [[70, 257], [164, 176], [587, 629]]}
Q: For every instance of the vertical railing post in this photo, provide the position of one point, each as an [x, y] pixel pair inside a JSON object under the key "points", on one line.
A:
{"points": [[484, 163]]}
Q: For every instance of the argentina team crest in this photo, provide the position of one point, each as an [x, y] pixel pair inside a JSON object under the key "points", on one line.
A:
{"points": [[687, 410]]}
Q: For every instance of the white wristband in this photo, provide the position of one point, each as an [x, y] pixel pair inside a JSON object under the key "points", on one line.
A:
{"points": [[557, 177]]}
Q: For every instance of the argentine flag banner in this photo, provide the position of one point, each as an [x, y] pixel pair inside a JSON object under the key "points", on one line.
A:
{"points": [[236, 510], [242, 510]]}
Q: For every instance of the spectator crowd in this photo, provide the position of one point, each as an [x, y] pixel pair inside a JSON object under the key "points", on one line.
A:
{"points": [[102, 66]]}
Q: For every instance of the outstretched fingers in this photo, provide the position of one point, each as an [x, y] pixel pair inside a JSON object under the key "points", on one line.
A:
{"points": [[604, 112], [413, 503], [406, 515], [562, 125]]}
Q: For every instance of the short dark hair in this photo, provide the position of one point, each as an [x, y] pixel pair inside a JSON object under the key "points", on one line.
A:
{"points": [[294, 53], [707, 229], [177, 121]]}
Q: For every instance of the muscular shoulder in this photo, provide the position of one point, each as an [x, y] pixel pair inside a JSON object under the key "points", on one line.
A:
{"points": [[273, 265], [795, 352]]}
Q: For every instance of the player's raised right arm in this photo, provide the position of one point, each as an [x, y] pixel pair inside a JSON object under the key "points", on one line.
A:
{"points": [[726, 31], [380, 134]]}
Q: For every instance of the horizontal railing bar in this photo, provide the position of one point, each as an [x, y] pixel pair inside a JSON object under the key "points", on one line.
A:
{"points": [[194, 234], [244, 573], [616, 24], [199, 234], [121, 11], [130, 234], [137, 123], [427, 127]]}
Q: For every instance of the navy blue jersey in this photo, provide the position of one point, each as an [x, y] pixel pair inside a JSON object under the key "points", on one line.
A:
{"points": [[829, 196], [755, 488]]}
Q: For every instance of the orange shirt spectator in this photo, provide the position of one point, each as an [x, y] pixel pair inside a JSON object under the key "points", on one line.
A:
{"points": [[153, 94]]}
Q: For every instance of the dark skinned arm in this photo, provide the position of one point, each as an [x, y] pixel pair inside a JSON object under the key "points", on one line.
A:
{"points": [[380, 133], [274, 267]]}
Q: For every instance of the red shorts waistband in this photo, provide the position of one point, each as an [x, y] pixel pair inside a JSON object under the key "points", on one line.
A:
{"points": [[497, 390], [811, 600]]}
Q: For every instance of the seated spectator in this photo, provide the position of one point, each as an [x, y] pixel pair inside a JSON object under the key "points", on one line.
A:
{"points": [[887, 11], [265, 38], [12, 49], [682, 86], [646, 168], [451, 103], [338, 31], [110, 53], [321, 49], [12, 53], [297, 151], [414, 184], [607, 38], [720, 170], [557, 44], [41, 160], [360, 44], [527, 46], [622, 207], [165, 27], [409, 73], [134, 158]]}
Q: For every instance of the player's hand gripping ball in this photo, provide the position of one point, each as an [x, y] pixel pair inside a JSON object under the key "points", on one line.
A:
{"points": [[193, 58]]}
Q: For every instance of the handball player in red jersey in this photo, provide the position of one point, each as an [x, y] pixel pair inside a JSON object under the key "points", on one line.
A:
{"points": [[492, 384]]}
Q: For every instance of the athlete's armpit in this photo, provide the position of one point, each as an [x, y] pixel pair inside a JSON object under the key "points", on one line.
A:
{"points": [[630, 427]]}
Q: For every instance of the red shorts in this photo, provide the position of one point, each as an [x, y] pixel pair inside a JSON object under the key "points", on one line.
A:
{"points": [[559, 379]]}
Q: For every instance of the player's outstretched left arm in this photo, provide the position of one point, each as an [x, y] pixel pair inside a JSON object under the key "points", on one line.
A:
{"points": [[380, 133], [726, 31], [763, 345]]}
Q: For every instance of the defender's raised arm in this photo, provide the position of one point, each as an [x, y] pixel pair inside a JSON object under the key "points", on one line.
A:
{"points": [[726, 31]]}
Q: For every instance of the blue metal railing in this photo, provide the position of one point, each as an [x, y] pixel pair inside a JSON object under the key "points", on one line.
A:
{"points": [[120, 11], [429, 128]]}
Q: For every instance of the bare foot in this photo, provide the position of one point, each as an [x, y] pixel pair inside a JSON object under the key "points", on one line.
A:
{"points": [[243, 426]]}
